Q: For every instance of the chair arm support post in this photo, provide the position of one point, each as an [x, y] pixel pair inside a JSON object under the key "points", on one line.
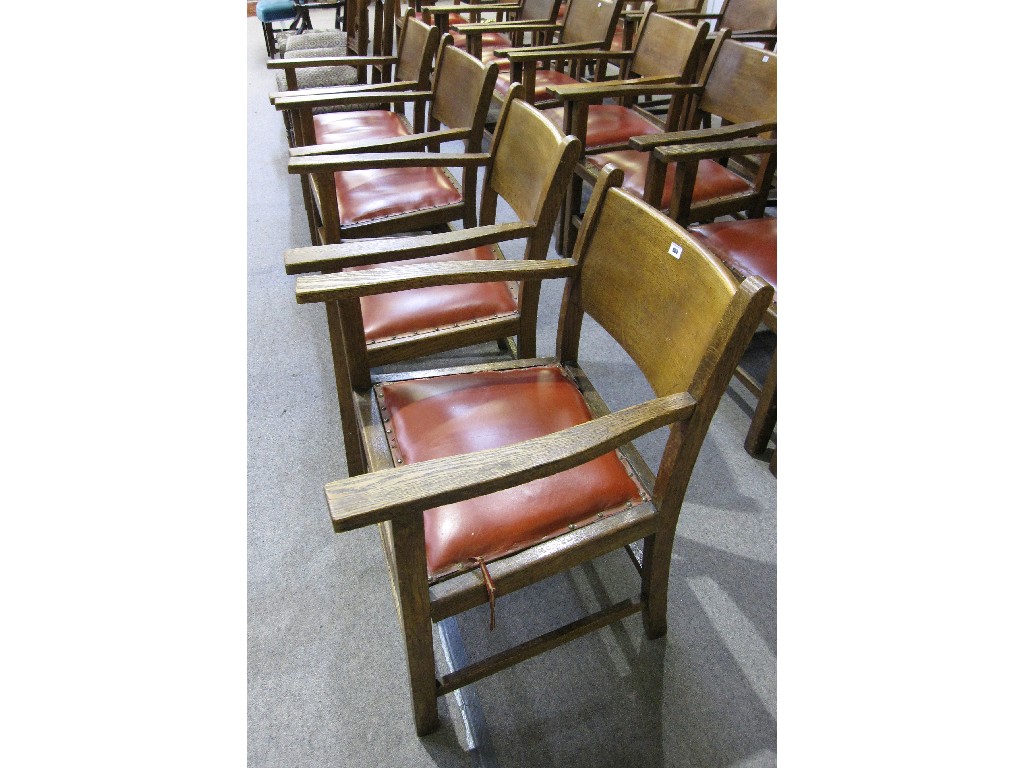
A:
{"points": [[390, 493]]}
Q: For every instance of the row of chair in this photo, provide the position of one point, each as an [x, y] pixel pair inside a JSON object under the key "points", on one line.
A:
{"points": [[485, 479]]}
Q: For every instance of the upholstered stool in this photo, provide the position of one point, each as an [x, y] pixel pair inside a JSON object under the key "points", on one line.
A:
{"points": [[269, 11]]}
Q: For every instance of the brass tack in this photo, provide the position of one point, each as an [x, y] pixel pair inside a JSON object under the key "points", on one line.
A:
{"points": [[399, 461], [629, 504], [572, 526]]}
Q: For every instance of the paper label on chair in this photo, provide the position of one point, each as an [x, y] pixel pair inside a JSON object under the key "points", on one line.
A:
{"points": [[675, 250], [765, 59]]}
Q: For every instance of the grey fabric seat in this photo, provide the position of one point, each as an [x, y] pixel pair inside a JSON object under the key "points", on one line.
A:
{"points": [[317, 77]]}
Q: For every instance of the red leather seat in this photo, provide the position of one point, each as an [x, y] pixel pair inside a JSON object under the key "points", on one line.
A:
{"points": [[379, 192], [393, 314], [450, 415], [747, 247], [362, 127], [713, 180], [544, 78], [607, 123]]}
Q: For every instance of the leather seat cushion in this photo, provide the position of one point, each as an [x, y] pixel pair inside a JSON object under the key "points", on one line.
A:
{"points": [[608, 124], [545, 77], [451, 415], [419, 309], [362, 127], [713, 180], [377, 192], [746, 247], [453, 18]]}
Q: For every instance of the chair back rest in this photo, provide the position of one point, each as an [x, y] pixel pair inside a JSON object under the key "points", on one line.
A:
{"points": [[664, 6], [742, 84], [539, 10], [463, 86], [590, 21], [416, 48], [657, 292], [531, 158], [749, 15], [667, 47]]}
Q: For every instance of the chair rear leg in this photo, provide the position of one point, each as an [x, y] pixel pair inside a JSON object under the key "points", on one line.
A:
{"points": [[763, 421]]}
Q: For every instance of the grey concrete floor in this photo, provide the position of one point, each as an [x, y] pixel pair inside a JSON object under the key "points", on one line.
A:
{"points": [[326, 679]]}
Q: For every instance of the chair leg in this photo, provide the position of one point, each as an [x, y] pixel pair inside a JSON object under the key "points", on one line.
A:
{"points": [[763, 422], [654, 583], [565, 233], [268, 38], [414, 600]]}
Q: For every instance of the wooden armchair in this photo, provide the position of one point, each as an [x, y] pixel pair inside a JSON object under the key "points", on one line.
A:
{"points": [[410, 323], [538, 11], [588, 24], [410, 65], [630, 18], [667, 51], [750, 21], [746, 246], [487, 479], [739, 90], [391, 191]]}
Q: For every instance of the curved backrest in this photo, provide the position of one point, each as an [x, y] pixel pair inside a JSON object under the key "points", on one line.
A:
{"points": [[750, 15], [531, 156], [416, 48], [660, 294], [667, 47], [591, 21], [462, 89], [663, 6], [742, 84], [539, 10]]}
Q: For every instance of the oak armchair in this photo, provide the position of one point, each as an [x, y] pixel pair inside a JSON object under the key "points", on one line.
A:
{"points": [[588, 24], [422, 320], [484, 43], [487, 479], [739, 92]]}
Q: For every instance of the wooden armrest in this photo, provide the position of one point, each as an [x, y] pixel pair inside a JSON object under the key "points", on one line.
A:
{"points": [[379, 496], [653, 86], [562, 51], [400, 85], [471, 8], [349, 98], [416, 141], [677, 153], [310, 289], [737, 131], [689, 15], [543, 52], [330, 61], [386, 160], [504, 26], [329, 258]]}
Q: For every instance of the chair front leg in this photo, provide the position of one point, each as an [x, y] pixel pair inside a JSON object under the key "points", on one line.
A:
{"points": [[654, 582], [414, 601]]}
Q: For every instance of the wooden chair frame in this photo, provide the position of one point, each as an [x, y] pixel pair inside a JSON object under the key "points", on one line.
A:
{"points": [[321, 164], [688, 379], [731, 86], [585, 25], [682, 211], [534, 193]]}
